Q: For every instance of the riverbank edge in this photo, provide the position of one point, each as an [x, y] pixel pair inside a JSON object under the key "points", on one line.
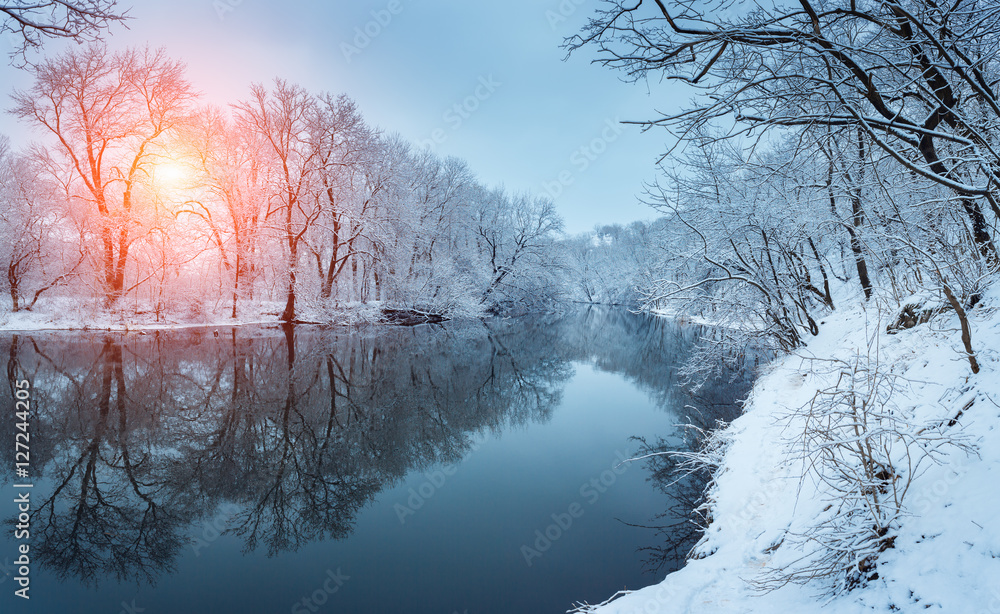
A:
{"points": [[65, 315], [945, 551]]}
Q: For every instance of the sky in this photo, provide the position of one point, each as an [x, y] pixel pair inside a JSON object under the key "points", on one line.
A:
{"points": [[484, 81]]}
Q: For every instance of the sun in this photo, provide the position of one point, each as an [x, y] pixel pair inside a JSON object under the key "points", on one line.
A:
{"points": [[171, 174]]}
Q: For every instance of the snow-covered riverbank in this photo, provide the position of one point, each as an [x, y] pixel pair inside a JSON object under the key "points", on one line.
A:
{"points": [[918, 410], [89, 315]]}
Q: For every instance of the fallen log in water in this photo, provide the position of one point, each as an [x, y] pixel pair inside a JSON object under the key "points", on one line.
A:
{"points": [[410, 317]]}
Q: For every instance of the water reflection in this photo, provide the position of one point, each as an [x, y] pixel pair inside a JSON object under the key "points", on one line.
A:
{"points": [[707, 408], [285, 433]]}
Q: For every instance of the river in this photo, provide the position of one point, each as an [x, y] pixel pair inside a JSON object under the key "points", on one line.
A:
{"points": [[471, 467]]}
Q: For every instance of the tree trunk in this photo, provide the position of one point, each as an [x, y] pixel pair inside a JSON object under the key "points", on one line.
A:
{"points": [[972, 207], [288, 314], [963, 320], [107, 238], [13, 281], [857, 214], [236, 279]]}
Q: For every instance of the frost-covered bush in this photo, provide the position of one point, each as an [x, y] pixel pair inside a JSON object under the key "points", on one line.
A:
{"points": [[861, 452]]}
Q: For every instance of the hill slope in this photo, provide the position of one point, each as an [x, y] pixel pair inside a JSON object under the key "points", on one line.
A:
{"points": [[882, 447]]}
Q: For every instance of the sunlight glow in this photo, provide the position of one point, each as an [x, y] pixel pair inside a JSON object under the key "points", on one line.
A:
{"points": [[171, 174]]}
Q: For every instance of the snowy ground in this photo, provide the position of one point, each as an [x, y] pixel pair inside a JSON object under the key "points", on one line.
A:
{"points": [[946, 553], [87, 314]]}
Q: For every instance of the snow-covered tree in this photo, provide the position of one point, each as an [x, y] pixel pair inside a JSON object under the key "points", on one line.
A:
{"points": [[108, 116]]}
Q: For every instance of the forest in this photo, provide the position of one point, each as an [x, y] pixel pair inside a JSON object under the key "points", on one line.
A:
{"points": [[855, 153], [832, 182], [829, 150], [288, 200]]}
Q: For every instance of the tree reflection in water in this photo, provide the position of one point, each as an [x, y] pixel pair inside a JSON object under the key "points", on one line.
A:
{"points": [[143, 436], [708, 408]]}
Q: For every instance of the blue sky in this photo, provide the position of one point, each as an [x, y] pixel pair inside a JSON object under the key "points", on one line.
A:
{"points": [[484, 81]]}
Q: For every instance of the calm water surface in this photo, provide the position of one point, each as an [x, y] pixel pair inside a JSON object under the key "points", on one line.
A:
{"points": [[465, 468]]}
